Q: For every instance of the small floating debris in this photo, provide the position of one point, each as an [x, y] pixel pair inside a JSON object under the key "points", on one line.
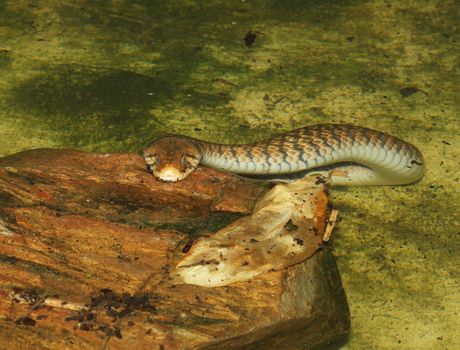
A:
{"points": [[250, 38], [410, 90]]}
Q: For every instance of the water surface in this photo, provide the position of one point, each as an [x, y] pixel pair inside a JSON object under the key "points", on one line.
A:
{"points": [[111, 75]]}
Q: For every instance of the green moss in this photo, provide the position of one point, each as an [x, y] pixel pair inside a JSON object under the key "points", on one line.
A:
{"points": [[77, 91], [5, 59]]}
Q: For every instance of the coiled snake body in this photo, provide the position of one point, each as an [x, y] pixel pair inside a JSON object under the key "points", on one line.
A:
{"points": [[347, 154]]}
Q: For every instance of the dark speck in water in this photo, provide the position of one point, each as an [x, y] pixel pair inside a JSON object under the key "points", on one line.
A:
{"points": [[250, 38], [407, 91]]}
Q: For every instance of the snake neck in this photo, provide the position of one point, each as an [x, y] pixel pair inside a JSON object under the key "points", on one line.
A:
{"points": [[242, 159]]}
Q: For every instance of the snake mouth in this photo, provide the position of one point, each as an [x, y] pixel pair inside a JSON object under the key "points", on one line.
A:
{"points": [[169, 174]]}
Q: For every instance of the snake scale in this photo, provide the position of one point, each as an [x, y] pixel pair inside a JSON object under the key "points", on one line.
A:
{"points": [[347, 154]]}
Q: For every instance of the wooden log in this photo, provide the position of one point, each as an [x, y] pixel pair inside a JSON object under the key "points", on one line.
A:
{"points": [[88, 243]]}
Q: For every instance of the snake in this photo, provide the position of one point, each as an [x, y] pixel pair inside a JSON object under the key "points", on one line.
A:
{"points": [[346, 154]]}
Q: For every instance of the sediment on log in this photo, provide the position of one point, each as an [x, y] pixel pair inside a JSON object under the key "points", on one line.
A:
{"points": [[88, 243]]}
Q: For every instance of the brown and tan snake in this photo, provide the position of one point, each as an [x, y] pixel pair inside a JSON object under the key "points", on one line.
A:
{"points": [[347, 154]]}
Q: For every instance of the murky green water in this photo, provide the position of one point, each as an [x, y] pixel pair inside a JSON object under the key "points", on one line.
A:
{"points": [[111, 75]]}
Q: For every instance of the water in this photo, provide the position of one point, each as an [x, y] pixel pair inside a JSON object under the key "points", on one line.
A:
{"points": [[111, 75]]}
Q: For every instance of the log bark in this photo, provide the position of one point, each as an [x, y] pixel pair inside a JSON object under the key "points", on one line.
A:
{"points": [[87, 245]]}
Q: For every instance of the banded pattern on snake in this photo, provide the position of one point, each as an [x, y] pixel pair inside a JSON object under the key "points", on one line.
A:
{"points": [[348, 154]]}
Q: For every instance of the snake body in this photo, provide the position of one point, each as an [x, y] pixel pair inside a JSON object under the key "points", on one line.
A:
{"points": [[348, 154]]}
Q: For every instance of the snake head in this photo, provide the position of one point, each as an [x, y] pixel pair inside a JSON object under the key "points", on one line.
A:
{"points": [[172, 158]]}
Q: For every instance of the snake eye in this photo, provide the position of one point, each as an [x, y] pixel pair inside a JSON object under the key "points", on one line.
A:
{"points": [[152, 160], [188, 161], [184, 161]]}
